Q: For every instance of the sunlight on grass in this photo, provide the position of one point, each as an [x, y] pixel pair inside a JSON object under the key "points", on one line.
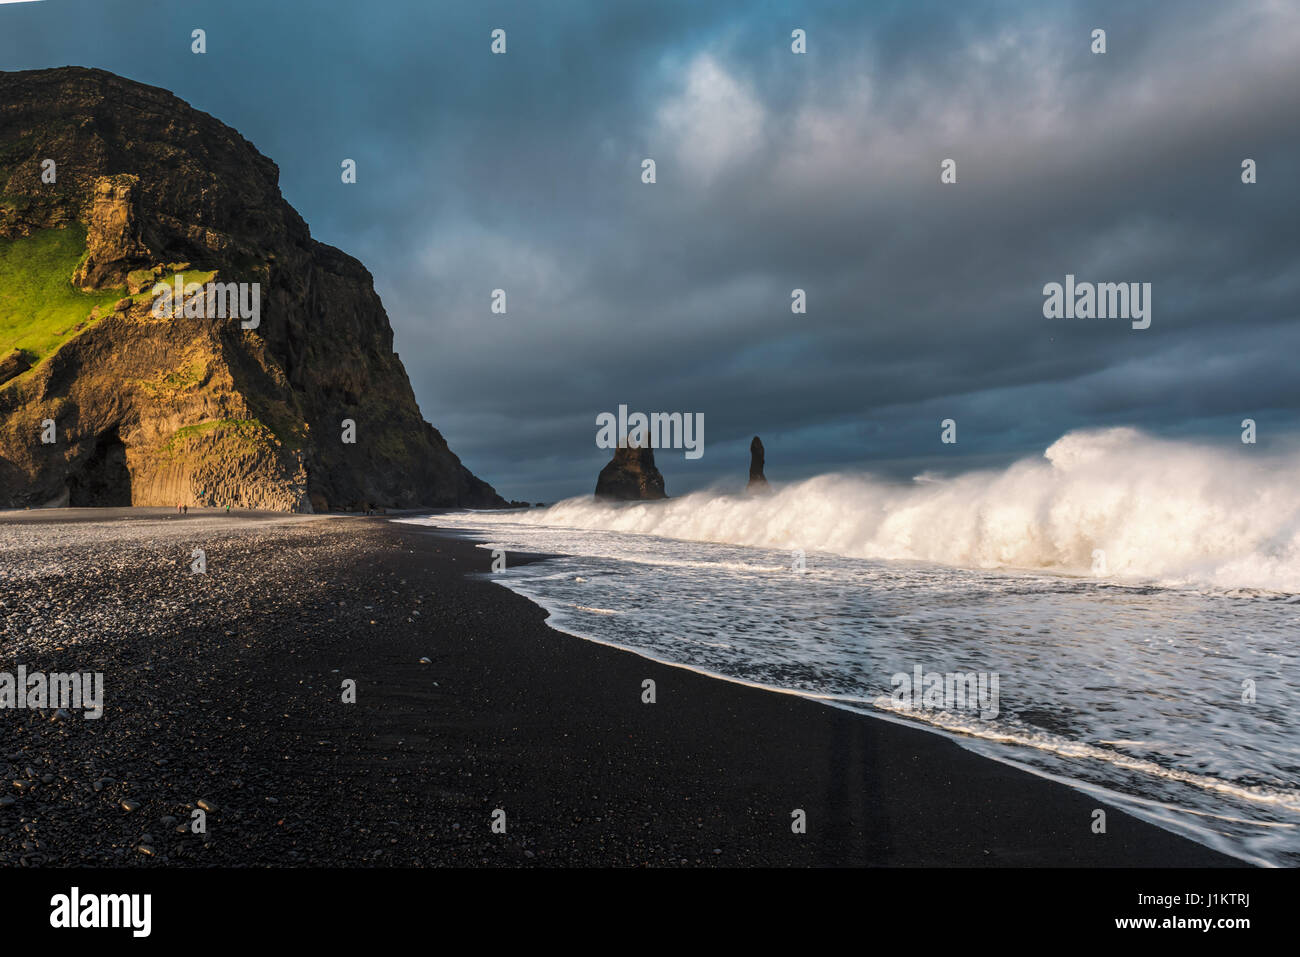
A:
{"points": [[39, 306]]}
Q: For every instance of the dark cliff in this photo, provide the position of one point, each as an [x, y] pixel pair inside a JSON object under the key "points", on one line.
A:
{"points": [[151, 410]]}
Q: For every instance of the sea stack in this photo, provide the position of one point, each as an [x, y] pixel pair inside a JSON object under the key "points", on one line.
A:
{"points": [[296, 403], [757, 481], [631, 476]]}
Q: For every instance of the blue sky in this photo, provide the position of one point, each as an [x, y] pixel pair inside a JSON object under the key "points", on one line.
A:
{"points": [[775, 171]]}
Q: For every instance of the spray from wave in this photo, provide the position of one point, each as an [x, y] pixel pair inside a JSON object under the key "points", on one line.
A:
{"points": [[1154, 510]]}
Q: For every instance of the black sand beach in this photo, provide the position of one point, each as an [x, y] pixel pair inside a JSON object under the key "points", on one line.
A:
{"points": [[226, 688]]}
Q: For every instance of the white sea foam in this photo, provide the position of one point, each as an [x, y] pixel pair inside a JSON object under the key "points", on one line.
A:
{"points": [[1160, 510]]}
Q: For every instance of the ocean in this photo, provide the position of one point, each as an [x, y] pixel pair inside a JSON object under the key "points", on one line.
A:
{"points": [[1133, 602]]}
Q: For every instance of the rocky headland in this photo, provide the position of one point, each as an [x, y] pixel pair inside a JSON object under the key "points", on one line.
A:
{"points": [[109, 187]]}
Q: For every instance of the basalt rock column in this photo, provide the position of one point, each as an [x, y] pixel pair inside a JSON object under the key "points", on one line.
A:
{"points": [[631, 476], [757, 481]]}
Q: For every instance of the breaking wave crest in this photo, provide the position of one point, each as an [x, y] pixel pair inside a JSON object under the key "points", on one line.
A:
{"points": [[1115, 503]]}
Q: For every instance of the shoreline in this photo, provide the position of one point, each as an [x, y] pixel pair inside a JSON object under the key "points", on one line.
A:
{"points": [[1106, 796], [237, 697]]}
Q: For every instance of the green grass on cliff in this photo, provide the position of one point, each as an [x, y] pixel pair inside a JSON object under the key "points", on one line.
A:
{"points": [[245, 430], [39, 306]]}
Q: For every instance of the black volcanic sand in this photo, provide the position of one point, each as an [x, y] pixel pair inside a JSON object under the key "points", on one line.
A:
{"points": [[226, 688]]}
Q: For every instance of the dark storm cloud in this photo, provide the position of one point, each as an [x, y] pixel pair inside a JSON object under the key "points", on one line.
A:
{"points": [[775, 171]]}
